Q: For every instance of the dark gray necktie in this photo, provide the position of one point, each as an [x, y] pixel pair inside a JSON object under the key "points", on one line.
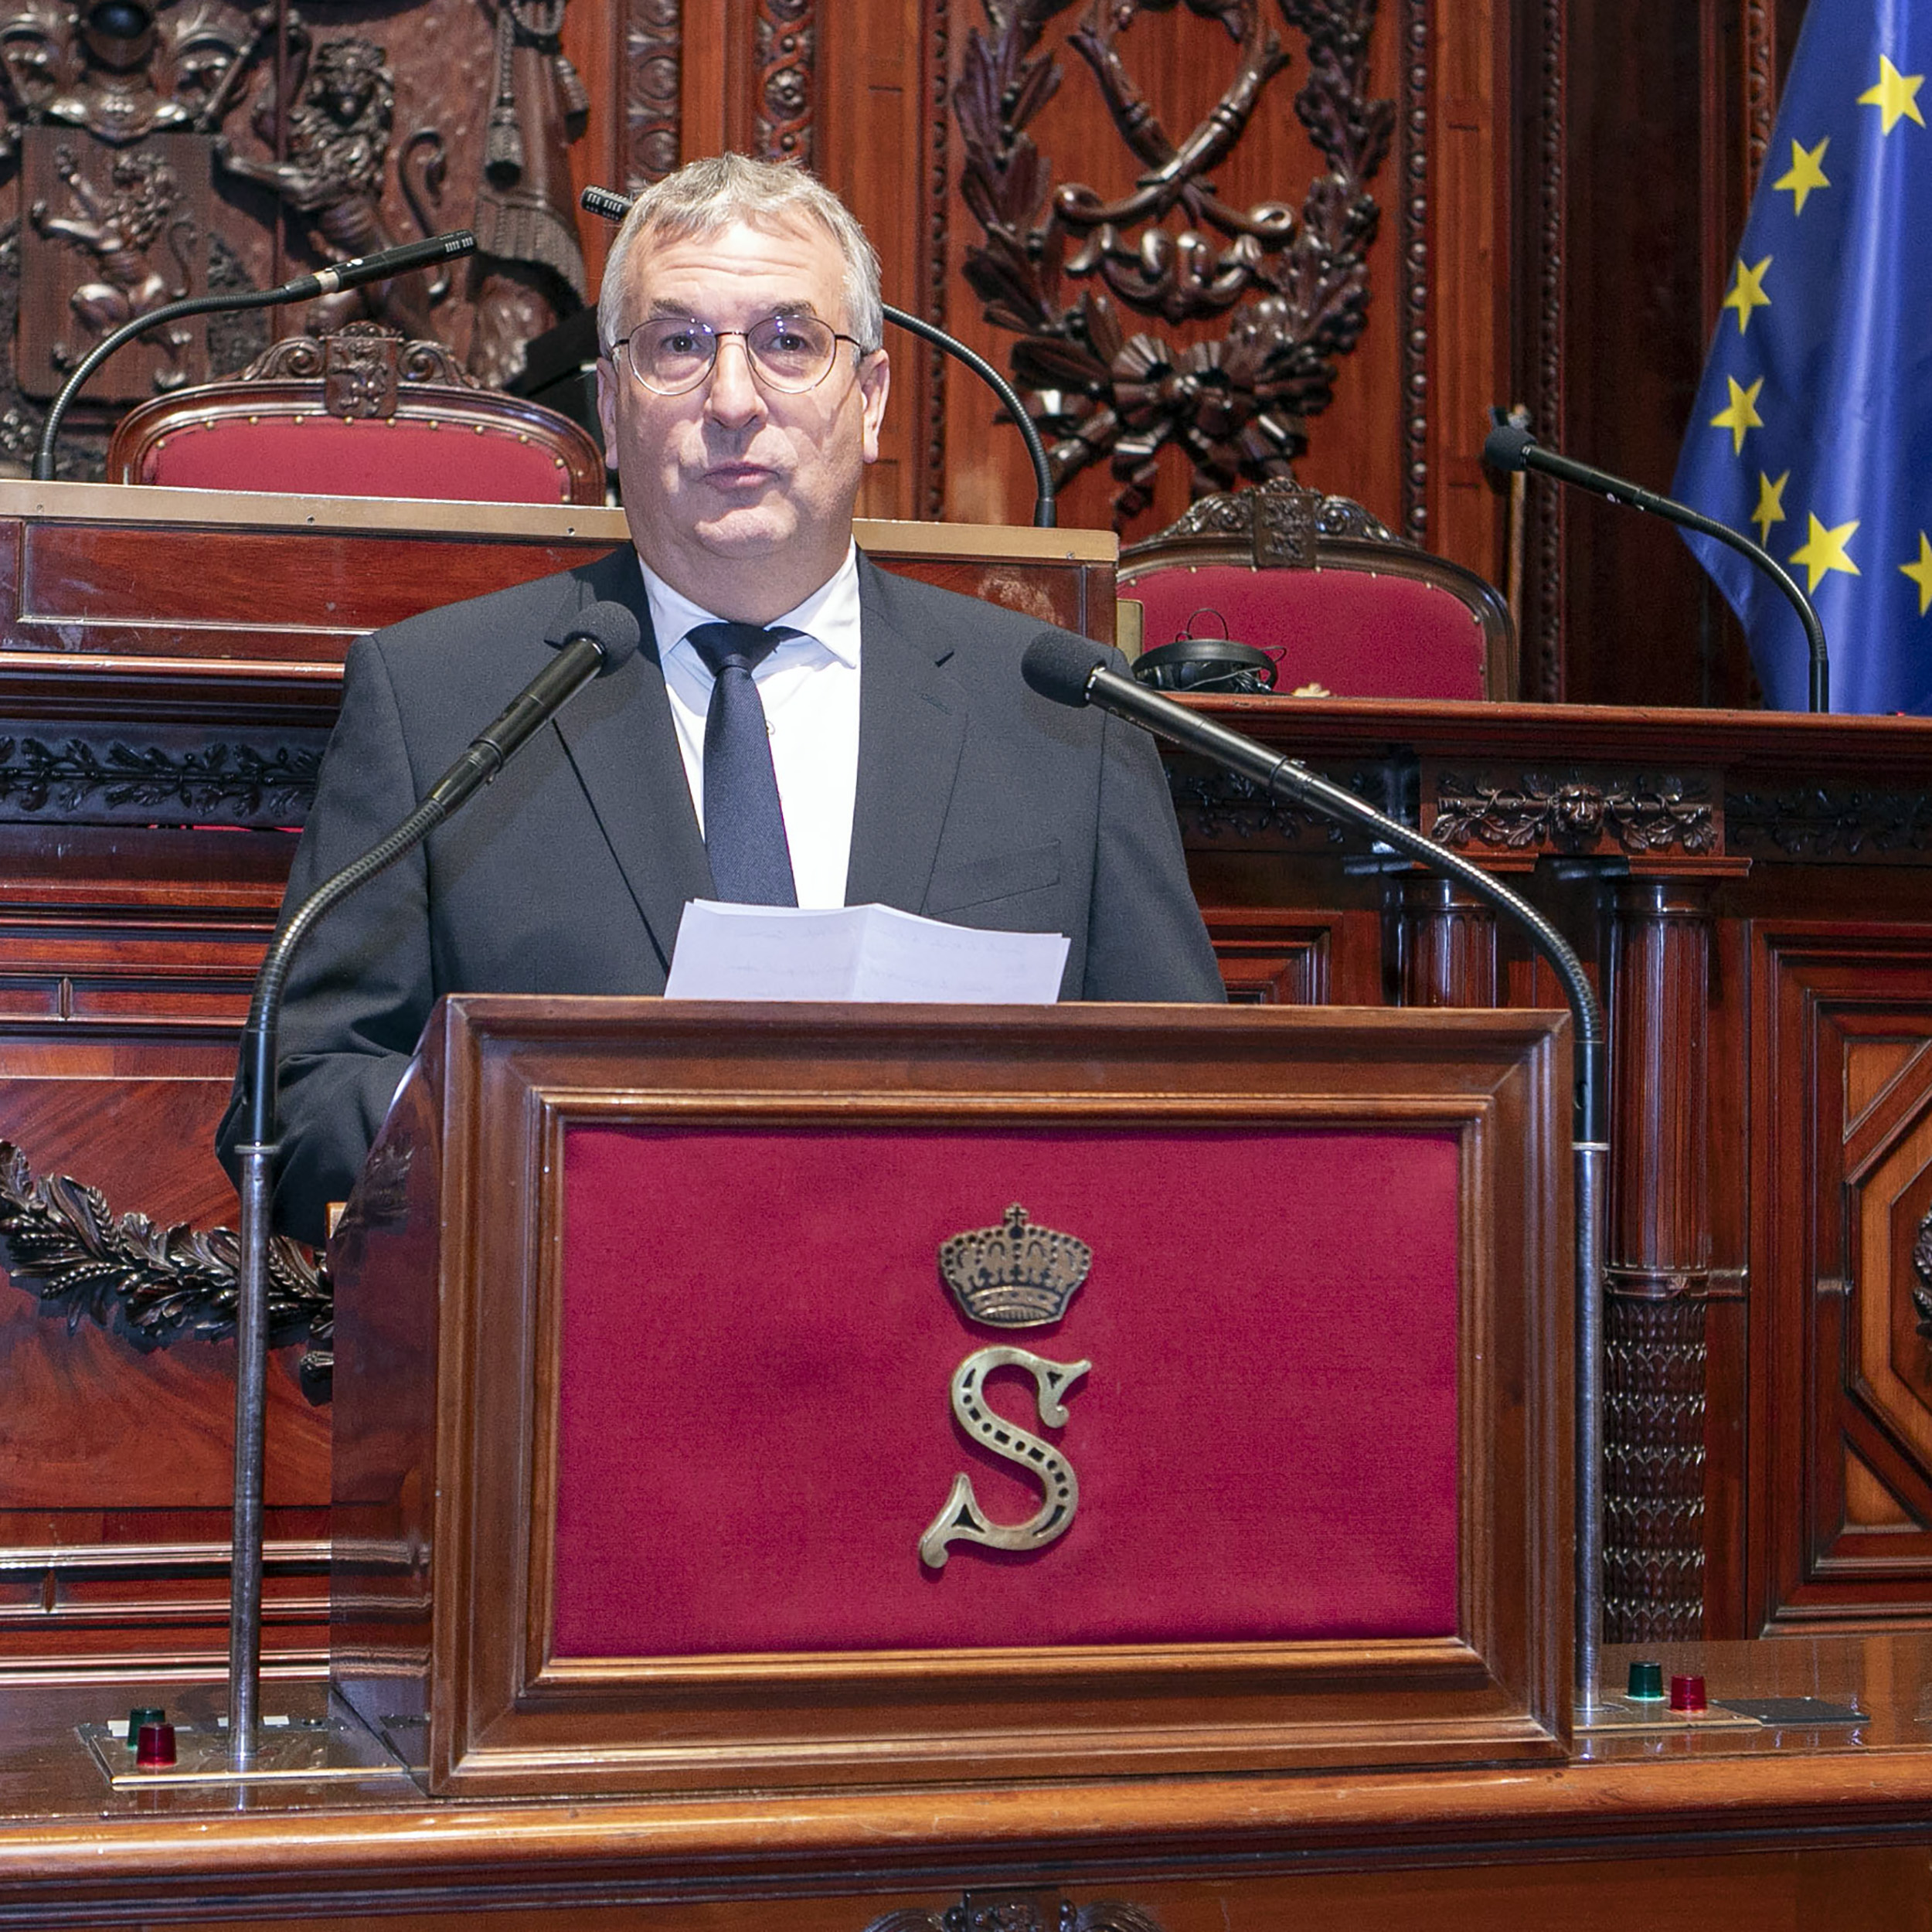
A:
{"points": [[744, 824]]}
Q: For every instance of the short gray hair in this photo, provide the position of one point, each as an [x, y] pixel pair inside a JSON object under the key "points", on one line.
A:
{"points": [[704, 197]]}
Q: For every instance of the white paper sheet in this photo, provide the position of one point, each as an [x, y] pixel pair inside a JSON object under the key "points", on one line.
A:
{"points": [[857, 953]]}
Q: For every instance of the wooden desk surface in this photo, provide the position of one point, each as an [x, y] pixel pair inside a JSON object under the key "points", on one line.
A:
{"points": [[1669, 1821]]}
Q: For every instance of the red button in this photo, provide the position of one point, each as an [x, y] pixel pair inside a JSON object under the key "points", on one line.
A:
{"points": [[1687, 1694], [156, 1747]]}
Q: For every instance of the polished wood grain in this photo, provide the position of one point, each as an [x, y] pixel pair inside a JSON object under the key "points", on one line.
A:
{"points": [[157, 646], [453, 1235], [1823, 1829]]}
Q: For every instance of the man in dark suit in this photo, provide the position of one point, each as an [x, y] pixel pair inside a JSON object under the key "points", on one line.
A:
{"points": [[899, 756]]}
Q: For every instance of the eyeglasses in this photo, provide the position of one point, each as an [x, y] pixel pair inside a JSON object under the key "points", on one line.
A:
{"points": [[788, 353]]}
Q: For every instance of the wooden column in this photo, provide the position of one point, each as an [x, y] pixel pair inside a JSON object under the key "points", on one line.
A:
{"points": [[1658, 1275], [1448, 941]]}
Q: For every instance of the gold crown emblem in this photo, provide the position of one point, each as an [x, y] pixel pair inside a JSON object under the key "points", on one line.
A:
{"points": [[1014, 1276]]}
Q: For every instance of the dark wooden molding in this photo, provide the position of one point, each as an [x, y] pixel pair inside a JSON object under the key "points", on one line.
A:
{"points": [[1542, 653], [1865, 823], [1448, 943], [1412, 295], [175, 778], [784, 54], [1658, 1262], [1760, 87], [1006, 1911], [653, 72]]}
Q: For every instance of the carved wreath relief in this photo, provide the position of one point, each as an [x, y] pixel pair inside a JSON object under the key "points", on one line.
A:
{"points": [[1289, 286], [1014, 1276]]}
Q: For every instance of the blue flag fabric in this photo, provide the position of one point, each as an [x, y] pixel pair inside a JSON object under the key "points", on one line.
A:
{"points": [[1813, 425]]}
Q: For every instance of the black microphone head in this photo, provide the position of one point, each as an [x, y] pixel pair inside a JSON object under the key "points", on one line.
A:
{"points": [[1507, 447], [612, 628], [1060, 666], [603, 201]]}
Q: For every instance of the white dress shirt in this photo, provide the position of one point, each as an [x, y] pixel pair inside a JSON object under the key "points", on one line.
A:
{"points": [[809, 686]]}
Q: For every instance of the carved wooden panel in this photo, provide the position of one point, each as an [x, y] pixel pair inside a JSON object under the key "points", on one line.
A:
{"points": [[166, 147], [1843, 1499], [117, 1030]]}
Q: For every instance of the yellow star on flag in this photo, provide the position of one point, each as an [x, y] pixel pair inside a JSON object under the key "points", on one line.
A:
{"points": [[1741, 414], [1920, 572], [1806, 172], [1824, 550], [1770, 504], [1895, 95], [1749, 293]]}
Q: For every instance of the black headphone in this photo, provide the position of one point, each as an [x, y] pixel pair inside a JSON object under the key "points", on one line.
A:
{"points": [[1218, 664]]}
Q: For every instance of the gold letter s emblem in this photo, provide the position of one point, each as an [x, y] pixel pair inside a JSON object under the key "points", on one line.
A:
{"points": [[962, 1520]]}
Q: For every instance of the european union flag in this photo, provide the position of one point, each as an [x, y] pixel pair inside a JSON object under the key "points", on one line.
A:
{"points": [[1814, 422]]}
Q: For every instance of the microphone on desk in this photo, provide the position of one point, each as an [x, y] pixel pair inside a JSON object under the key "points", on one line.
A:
{"points": [[388, 262], [614, 207], [603, 636], [1073, 671], [1510, 447]]}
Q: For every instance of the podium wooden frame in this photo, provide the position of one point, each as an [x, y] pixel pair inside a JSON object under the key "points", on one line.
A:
{"points": [[449, 1289]]}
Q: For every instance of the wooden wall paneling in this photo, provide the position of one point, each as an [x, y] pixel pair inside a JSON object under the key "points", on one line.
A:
{"points": [[1657, 1263], [1180, 63], [1635, 339], [873, 143], [1448, 943], [1841, 1477], [1729, 1290], [1469, 277], [116, 1042]]}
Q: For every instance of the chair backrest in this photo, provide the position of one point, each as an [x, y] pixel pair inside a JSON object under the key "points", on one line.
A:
{"points": [[1347, 606], [361, 413]]}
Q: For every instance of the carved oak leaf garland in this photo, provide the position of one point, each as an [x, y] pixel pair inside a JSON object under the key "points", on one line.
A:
{"points": [[1293, 286], [151, 1285]]}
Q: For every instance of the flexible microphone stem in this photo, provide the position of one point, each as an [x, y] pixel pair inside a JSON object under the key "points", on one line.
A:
{"points": [[614, 207], [606, 635], [349, 275], [1069, 671], [1045, 512], [1512, 448]]}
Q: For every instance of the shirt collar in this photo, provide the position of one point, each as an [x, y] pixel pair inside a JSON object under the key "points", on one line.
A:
{"points": [[829, 616]]}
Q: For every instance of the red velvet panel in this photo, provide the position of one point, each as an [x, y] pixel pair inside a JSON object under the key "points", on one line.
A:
{"points": [[1357, 634], [758, 1347], [371, 457]]}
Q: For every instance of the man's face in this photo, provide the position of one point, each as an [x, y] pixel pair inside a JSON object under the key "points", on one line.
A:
{"points": [[740, 496]]}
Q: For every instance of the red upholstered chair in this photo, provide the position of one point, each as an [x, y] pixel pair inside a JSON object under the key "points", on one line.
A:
{"points": [[361, 413], [1344, 604]]}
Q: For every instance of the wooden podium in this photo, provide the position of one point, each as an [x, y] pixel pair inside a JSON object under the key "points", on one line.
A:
{"points": [[663, 1328]]}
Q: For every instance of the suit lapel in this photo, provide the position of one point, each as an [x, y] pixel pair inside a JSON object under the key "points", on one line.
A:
{"points": [[622, 744], [912, 723]]}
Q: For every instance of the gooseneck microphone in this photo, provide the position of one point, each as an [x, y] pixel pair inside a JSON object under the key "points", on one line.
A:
{"points": [[614, 207], [1512, 448], [1073, 671], [602, 637], [325, 281]]}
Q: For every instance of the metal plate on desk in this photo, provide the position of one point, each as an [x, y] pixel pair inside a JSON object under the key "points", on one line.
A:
{"points": [[290, 1751], [1618, 1714]]}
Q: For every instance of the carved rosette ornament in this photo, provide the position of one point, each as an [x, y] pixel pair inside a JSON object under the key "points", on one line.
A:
{"points": [[1068, 270], [782, 37], [653, 64]]}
